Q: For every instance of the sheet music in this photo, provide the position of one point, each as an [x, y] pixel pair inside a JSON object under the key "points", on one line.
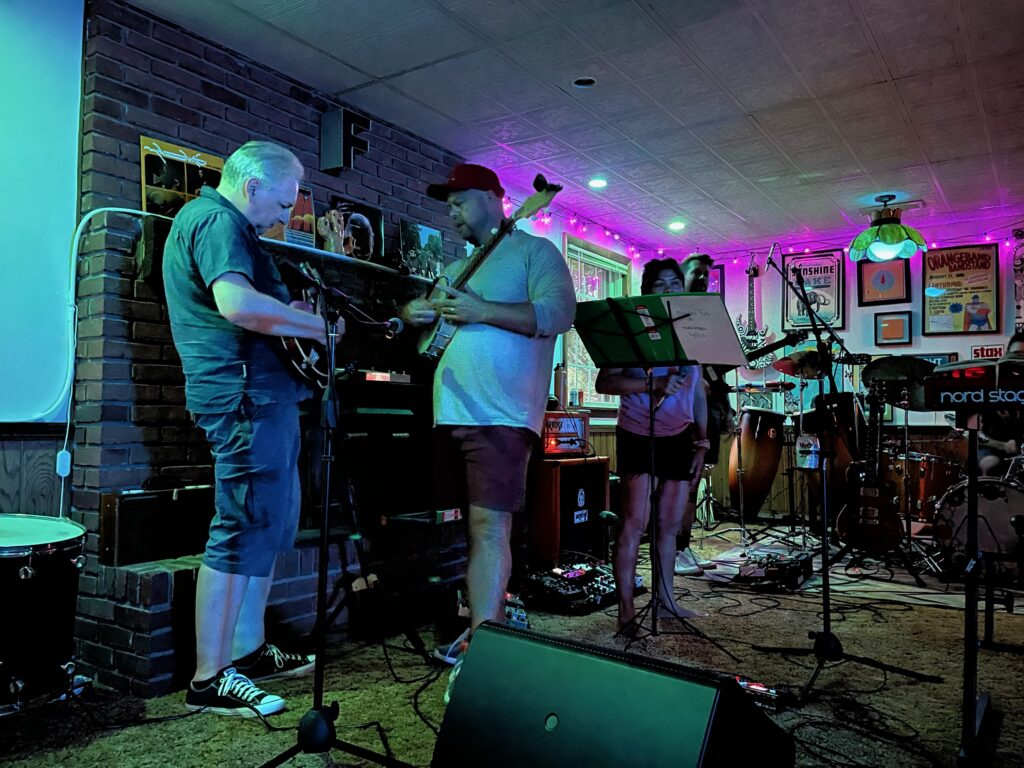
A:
{"points": [[705, 329]]}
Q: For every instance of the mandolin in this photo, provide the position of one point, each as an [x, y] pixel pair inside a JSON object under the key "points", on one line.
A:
{"points": [[435, 339]]}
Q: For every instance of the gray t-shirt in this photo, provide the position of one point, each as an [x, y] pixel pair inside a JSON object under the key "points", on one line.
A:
{"points": [[209, 238], [489, 376]]}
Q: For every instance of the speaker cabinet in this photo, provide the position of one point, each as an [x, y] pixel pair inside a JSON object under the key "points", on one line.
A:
{"points": [[525, 699], [566, 499]]}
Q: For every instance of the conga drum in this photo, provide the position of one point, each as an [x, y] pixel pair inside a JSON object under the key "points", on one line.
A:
{"points": [[760, 439]]}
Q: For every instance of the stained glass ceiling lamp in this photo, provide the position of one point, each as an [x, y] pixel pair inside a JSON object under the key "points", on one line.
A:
{"points": [[886, 239]]}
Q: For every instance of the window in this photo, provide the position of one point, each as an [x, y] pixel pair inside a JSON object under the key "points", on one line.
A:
{"points": [[597, 274]]}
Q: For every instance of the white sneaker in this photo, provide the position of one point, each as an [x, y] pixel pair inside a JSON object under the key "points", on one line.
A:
{"points": [[702, 563], [686, 564]]}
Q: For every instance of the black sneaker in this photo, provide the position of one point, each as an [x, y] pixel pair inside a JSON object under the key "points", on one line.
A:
{"points": [[269, 661], [232, 693]]}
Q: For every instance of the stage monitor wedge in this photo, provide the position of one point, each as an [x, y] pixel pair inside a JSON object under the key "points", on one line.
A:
{"points": [[526, 699]]}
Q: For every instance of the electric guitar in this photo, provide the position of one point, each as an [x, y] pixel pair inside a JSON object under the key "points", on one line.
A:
{"points": [[871, 523], [435, 339], [751, 337]]}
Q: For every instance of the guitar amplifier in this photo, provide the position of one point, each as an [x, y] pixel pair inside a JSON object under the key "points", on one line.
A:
{"points": [[565, 433], [566, 498]]}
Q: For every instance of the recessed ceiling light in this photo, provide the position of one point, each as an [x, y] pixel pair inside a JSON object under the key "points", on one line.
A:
{"points": [[677, 226], [597, 182], [584, 82]]}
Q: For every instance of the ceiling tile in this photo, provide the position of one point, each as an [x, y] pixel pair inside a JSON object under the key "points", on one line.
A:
{"points": [[818, 134], [540, 48], [670, 144], [770, 94], [614, 28], [708, 108], [645, 169], [799, 18], [648, 123], [931, 86], [656, 56], [611, 155], [561, 116], [726, 131], [924, 58], [590, 136], [738, 30], [746, 151], [497, 19], [872, 100], [509, 129], [614, 101], [685, 84], [756, 66], [538, 149]]}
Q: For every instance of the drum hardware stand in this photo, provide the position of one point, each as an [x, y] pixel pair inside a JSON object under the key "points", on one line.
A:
{"points": [[316, 732], [827, 647], [988, 642]]}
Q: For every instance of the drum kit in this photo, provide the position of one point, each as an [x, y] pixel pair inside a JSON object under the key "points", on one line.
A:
{"points": [[40, 561], [930, 489]]}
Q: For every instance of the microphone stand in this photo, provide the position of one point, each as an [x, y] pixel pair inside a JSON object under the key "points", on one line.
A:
{"points": [[827, 647], [316, 732]]}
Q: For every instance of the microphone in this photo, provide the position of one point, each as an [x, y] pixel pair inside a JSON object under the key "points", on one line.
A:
{"points": [[771, 250], [392, 327]]}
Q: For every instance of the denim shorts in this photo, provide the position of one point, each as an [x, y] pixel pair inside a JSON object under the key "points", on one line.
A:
{"points": [[255, 452]]}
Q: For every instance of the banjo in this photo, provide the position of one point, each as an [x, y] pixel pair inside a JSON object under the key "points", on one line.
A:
{"points": [[435, 339]]}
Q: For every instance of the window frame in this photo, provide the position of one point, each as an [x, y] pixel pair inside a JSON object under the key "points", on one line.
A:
{"points": [[601, 258]]}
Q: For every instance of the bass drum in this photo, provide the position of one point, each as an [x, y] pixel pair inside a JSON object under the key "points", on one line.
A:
{"points": [[761, 436], [998, 504], [40, 559]]}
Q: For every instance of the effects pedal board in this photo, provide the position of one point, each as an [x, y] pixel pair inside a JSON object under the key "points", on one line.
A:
{"points": [[576, 589], [778, 569]]}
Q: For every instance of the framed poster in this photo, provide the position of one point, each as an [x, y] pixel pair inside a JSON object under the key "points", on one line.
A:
{"points": [[960, 290], [822, 272], [172, 175], [422, 248], [940, 358], [716, 280], [362, 228], [892, 328], [883, 282]]}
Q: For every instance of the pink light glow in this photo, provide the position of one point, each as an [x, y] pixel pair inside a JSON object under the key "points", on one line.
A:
{"points": [[935, 245], [616, 235], [791, 249], [987, 237], [661, 251], [1007, 243], [807, 250]]}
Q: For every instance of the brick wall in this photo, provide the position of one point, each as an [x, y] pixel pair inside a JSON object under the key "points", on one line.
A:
{"points": [[146, 76]]}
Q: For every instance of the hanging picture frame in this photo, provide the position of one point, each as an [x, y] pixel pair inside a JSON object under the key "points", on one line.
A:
{"points": [[822, 273], [960, 290], [883, 282], [716, 280], [362, 228], [893, 329]]}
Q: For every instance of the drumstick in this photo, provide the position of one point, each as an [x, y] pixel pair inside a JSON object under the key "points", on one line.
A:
{"points": [[671, 371]]}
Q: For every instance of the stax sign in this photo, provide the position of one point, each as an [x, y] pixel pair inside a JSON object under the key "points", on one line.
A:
{"points": [[990, 352]]}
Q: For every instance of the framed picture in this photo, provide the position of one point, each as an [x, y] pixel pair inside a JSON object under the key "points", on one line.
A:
{"points": [[422, 248], [960, 291], [172, 175], [363, 228], [940, 358], [716, 280], [883, 282], [892, 328], [822, 272]]}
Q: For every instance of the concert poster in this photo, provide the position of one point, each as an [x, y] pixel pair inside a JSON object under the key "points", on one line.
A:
{"points": [[822, 273], [716, 280], [172, 175], [961, 290], [363, 229]]}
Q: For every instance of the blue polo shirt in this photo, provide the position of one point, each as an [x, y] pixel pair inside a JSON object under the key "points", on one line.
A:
{"points": [[209, 238]]}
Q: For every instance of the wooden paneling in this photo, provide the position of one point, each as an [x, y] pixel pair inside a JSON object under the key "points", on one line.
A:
{"points": [[28, 482], [603, 441]]}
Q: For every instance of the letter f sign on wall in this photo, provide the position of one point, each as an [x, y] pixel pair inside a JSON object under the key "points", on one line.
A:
{"points": [[341, 139]]}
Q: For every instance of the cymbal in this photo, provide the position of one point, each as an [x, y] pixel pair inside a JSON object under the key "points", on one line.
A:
{"points": [[771, 386], [803, 364], [897, 369]]}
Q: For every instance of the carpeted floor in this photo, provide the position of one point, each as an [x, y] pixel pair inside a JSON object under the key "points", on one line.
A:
{"points": [[858, 716]]}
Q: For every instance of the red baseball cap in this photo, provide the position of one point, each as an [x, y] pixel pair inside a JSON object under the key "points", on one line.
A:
{"points": [[467, 176]]}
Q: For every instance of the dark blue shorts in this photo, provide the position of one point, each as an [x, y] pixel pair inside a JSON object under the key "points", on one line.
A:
{"points": [[255, 451]]}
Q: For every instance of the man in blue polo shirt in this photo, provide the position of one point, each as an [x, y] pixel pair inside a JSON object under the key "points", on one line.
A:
{"points": [[227, 305]]}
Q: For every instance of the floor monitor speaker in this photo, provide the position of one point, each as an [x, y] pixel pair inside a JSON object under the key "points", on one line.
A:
{"points": [[526, 699]]}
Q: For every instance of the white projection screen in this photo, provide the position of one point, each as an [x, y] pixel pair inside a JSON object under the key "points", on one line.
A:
{"points": [[40, 93]]}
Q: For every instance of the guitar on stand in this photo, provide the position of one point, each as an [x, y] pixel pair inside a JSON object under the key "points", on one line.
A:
{"points": [[751, 337], [871, 524]]}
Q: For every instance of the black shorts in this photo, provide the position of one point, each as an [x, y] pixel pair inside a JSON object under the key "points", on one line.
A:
{"points": [[673, 454]]}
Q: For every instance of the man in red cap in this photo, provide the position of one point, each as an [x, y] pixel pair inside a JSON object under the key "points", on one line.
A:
{"points": [[492, 383]]}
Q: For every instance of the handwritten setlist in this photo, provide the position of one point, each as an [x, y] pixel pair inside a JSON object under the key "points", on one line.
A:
{"points": [[705, 329]]}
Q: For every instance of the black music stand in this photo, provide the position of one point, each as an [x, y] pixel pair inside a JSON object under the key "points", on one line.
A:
{"points": [[644, 332], [827, 647]]}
